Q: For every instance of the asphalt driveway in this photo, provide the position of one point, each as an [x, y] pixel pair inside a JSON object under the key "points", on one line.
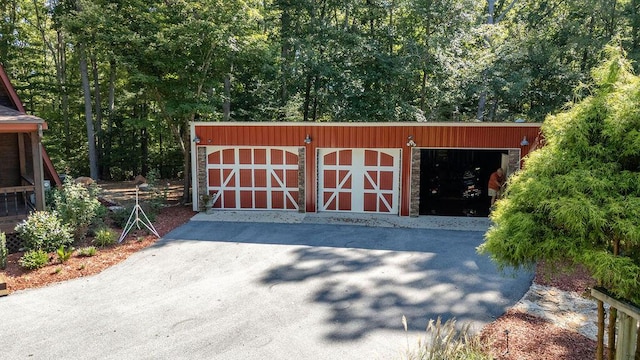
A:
{"points": [[222, 290]]}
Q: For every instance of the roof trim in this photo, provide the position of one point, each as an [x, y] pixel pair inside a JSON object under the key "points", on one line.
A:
{"points": [[48, 166], [367, 124], [11, 90]]}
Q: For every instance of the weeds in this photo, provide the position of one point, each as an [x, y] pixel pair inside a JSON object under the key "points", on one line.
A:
{"points": [[445, 342], [87, 251]]}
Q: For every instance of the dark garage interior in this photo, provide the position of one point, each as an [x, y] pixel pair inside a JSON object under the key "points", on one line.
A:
{"points": [[453, 182]]}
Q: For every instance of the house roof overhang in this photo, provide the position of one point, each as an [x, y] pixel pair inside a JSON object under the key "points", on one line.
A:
{"points": [[15, 121]]}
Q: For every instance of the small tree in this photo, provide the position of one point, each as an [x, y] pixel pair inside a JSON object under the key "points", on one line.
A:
{"points": [[578, 197]]}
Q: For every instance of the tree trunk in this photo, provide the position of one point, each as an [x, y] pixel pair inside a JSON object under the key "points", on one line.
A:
{"points": [[482, 99], [316, 87], [482, 102], [91, 136], [285, 24], [635, 32], [491, 20], [423, 90], [307, 99], [98, 115], [226, 104], [65, 93], [144, 150], [181, 133], [111, 105]]}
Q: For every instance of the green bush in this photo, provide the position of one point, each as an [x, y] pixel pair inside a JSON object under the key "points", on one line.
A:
{"points": [[445, 341], [87, 251], [77, 205], [120, 216], [104, 237], [44, 230], [64, 254], [4, 252], [34, 259]]}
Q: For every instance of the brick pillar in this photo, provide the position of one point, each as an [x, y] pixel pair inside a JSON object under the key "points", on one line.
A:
{"points": [[202, 173], [302, 166], [414, 205]]}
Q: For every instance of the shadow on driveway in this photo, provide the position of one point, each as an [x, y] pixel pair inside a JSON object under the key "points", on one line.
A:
{"points": [[366, 278]]}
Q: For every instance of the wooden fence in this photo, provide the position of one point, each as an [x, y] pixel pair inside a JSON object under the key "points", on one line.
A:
{"points": [[623, 342]]}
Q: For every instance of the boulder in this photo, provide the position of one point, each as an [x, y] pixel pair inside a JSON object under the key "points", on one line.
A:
{"points": [[139, 180], [84, 180]]}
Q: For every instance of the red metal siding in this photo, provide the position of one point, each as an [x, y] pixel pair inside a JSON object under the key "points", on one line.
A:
{"points": [[428, 135]]}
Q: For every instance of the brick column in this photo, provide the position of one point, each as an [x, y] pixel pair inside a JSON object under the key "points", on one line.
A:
{"points": [[414, 206], [302, 165], [202, 173]]}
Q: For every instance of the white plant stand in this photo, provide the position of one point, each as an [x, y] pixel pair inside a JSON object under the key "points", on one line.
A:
{"points": [[135, 219]]}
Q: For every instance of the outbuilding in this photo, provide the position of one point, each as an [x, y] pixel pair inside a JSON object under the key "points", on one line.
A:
{"points": [[405, 169]]}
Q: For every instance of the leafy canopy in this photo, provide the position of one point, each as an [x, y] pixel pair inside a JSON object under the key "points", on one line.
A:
{"points": [[578, 197]]}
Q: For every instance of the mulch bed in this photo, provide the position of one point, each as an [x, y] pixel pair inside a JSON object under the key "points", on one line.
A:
{"points": [[18, 278]]}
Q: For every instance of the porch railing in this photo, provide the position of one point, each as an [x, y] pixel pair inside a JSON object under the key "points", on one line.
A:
{"points": [[17, 200], [622, 341]]}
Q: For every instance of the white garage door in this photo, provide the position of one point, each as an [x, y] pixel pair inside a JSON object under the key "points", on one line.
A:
{"points": [[359, 180], [253, 178]]}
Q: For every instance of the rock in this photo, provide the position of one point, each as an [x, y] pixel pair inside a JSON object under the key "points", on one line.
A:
{"points": [[84, 180], [139, 180]]}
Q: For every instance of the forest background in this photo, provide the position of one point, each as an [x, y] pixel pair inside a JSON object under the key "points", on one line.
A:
{"points": [[118, 81]]}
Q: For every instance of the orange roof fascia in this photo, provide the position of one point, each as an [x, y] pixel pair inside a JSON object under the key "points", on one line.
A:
{"points": [[49, 166], [19, 127], [11, 90]]}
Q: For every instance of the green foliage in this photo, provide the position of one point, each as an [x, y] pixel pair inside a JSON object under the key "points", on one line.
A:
{"points": [[44, 230], [64, 254], [120, 216], [104, 237], [87, 251], [168, 62], [4, 251], [77, 206], [445, 341], [578, 197], [34, 259]]}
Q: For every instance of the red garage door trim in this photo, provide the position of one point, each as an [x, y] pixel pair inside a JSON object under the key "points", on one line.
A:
{"points": [[253, 178], [359, 180]]}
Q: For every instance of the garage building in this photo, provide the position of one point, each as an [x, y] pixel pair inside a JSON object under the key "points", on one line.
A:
{"points": [[405, 169]]}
